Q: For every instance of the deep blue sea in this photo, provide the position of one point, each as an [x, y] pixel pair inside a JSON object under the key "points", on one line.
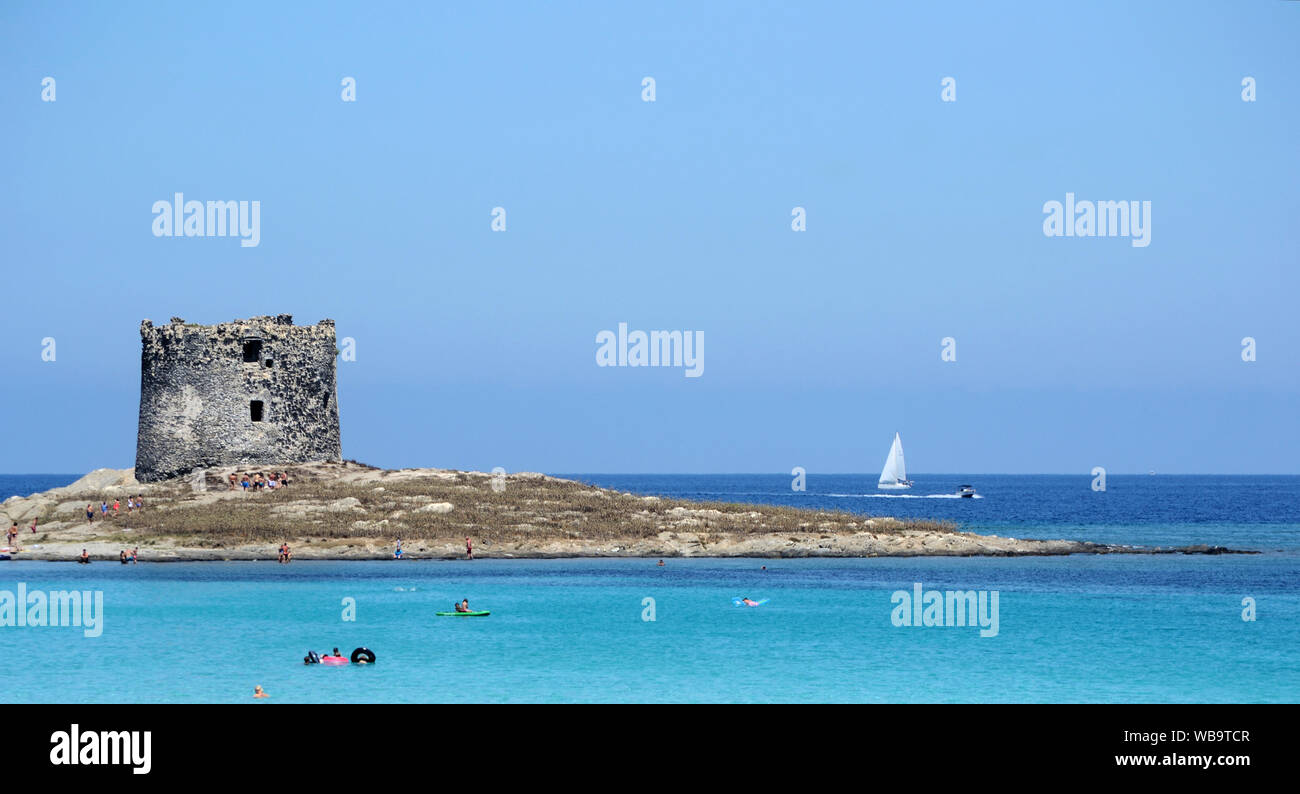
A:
{"points": [[1115, 628]]}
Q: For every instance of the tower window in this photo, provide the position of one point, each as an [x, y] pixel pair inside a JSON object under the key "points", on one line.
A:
{"points": [[255, 410], [252, 351]]}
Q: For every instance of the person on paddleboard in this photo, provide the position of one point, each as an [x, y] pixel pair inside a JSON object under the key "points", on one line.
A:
{"points": [[463, 606]]}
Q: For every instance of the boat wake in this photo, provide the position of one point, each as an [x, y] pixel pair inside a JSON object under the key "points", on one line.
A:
{"points": [[902, 496]]}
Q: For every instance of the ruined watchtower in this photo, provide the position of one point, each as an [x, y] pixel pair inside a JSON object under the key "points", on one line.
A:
{"points": [[256, 391]]}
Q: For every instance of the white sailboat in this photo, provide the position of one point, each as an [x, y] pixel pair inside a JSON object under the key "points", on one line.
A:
{"points": [[894, 475]]}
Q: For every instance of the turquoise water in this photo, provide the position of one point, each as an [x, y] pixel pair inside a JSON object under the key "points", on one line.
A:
{"points": [[1115, 629], [1077, 629]]}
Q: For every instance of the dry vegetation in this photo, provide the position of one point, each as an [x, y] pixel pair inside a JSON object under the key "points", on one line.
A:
{"points": [[357, 502]]}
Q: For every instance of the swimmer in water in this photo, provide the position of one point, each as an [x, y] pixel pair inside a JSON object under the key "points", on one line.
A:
{"points": [[258, 693], [748, 602], [661, 563]]}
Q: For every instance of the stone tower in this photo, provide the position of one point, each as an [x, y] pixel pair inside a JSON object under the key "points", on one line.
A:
{"points": [[256, 391]]}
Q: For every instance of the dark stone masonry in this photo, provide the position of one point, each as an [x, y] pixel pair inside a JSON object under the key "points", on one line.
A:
{"points": [[250, 392]]}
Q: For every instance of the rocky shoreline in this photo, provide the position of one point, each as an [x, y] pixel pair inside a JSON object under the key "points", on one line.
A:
{"points": [[349, 511]]}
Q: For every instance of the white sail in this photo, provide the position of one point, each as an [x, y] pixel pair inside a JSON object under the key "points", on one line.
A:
{"points": [[895, 472]]}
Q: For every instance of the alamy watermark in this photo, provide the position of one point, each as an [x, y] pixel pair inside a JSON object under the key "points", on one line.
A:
{"points": [[948, 349], [949, 92], [181, 218], [653, 349], [94, 748], [946, 608], [57, 608], [1099, 219]]}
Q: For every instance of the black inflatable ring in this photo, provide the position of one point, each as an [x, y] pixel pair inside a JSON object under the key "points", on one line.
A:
{"points": [[363, 655]]}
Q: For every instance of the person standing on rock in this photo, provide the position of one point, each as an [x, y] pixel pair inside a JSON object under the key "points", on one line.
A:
{"points": [[469, 549], [90, 514], [117, 505], [33, 526], [233, 481]]}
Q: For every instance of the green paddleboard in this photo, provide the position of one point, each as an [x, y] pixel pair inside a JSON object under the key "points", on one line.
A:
{"points": [[482, 614]]}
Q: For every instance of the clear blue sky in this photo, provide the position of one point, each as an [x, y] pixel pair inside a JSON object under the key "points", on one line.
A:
{"points": [[476, 349]]}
